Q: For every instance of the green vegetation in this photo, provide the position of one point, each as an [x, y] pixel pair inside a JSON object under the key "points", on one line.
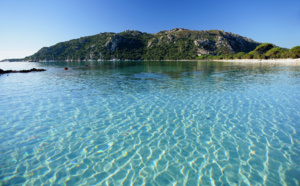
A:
{"points": [[294, 52], [263, 51], [175, 44], [263, 48]]}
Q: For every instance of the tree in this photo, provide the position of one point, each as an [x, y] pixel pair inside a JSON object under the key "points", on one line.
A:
{"points": [[263, 48], [239, 55], [295, 52], [274, 52]]}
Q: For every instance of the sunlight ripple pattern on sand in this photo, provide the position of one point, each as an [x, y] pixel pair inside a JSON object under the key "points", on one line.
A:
{"points": [[151, 125]]}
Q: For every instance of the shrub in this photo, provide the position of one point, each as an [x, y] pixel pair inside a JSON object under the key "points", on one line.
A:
{"points": [[248, 56], [239, 55], [255, 54], [295, 52], [274, 52], [263, 48]]}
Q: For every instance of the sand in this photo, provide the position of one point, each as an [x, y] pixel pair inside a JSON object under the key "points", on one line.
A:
{"points": [[281, 62]]}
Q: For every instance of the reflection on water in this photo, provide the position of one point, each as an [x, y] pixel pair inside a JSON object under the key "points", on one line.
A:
{"points": [[152, 123]]}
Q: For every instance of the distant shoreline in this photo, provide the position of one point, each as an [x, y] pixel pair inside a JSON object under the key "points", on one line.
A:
{"points": [[287, 62]]}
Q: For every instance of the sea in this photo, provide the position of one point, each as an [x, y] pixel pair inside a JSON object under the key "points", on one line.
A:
{"points": [[150, 123]]}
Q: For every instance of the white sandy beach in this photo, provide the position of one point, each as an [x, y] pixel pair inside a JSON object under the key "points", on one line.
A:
{"points": [[281, 62]]}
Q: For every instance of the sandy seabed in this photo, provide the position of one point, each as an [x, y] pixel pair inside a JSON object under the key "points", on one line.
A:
{"points": [[281, 62]]}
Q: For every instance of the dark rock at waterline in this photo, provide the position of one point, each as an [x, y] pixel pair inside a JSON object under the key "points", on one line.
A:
{"points": [[21, 71]]}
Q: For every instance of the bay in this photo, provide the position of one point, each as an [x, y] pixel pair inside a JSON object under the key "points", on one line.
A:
{"points": [[150, 123]]}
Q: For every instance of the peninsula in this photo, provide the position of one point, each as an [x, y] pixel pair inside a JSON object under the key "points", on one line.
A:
{"points": [[175, 44]]}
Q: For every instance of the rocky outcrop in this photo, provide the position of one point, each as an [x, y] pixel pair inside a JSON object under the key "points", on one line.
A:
{"points": [[118, 40], [170, 38], [21, 71], [223, 42], [204, 46], [112, 43], [176, 30], [152, 42]]}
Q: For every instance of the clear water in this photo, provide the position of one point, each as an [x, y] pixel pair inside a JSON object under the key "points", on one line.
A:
{"points": [[150, 123]]}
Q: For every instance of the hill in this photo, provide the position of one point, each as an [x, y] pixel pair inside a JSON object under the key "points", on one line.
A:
{"points": [[174, 44]]}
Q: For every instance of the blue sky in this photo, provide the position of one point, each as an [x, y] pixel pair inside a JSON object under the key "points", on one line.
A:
{"points": [[28, 25]]}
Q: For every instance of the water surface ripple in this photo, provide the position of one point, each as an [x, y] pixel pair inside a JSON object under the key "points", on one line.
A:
{"points": [[150, 123]]}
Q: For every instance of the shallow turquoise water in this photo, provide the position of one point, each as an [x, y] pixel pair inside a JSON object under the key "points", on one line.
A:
{"points": [[150, 123]]}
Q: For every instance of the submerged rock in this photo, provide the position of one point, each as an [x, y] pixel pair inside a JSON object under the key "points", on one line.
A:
{"points": [[21, 71]]}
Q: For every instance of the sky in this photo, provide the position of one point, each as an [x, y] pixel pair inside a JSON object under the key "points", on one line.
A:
{"points": [[28, 25]]}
